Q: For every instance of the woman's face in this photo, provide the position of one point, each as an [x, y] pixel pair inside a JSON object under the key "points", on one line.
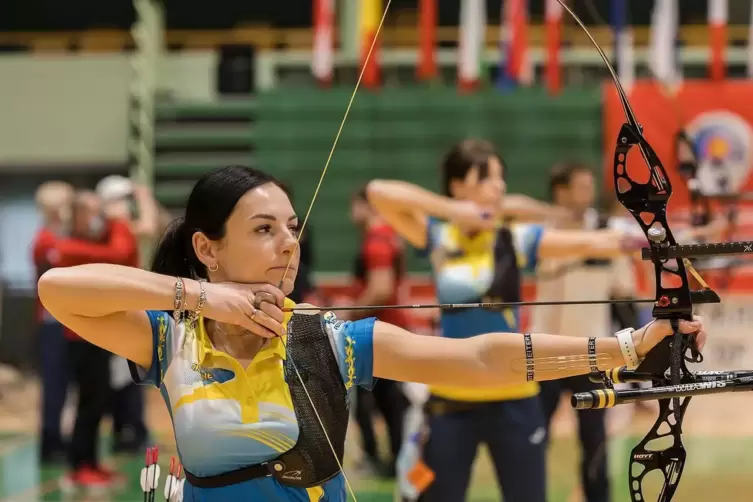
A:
{"points": [[486, 192], [259, 243]]}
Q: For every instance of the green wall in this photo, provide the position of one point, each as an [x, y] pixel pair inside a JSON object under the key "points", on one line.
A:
{"points": [[402, 133]]}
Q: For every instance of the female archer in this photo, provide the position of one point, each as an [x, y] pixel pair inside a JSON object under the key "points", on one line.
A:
{"points": [[474, 259], [257, 391]]}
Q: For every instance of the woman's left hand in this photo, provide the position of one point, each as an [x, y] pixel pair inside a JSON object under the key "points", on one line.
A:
{"points": [[647, 337]]}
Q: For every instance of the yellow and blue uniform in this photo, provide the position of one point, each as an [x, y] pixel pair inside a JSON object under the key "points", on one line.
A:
{"points": [[226, 417], [464, 275], [484, 267]]}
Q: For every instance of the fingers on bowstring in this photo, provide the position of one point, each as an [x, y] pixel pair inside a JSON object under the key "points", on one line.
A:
{"points": [[268, 293], [259, 323], [270, 317], [272, 310], [265, 321]]}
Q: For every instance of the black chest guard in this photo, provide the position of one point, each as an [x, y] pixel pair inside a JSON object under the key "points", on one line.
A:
{"points": [[311, 462]]}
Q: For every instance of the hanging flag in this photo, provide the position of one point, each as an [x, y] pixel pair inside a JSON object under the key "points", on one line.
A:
{"points": [[324, 43], [370, 14], [427, 33], [663, 59], [750, 42], [515, 66], [472, 43], [553, 19], [718, 18], [623, 44]]}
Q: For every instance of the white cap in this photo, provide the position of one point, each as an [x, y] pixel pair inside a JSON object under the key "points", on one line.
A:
{"points": [[114, 187]]}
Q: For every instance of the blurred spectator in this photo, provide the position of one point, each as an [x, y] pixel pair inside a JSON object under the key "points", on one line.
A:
{"points": [[53, 201], [379, 271], [93, 239], [126, 201], [572, 187], [123, 199]]}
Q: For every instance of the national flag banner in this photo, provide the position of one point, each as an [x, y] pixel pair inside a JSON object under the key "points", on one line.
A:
{"points": [[370, 15], [663, 59], [515, 65], [718, 18], [427, 34], [322, 62], [553, 21], [750, 42], [624, 52], [472, 43]]}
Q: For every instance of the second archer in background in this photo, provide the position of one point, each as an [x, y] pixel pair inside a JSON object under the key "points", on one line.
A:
{"points": [[474, 259]]}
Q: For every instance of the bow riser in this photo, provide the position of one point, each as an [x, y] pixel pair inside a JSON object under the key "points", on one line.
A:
{"points": [[647, 202]]}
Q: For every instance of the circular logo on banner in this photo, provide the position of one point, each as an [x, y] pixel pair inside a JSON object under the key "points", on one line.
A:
{"points": [[722, 142]]}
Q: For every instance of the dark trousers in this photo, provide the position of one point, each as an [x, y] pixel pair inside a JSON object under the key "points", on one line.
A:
{"points": [[90, 369], [54, 380], [515, 434], [389, 400], [592, 432], [128, 427]]}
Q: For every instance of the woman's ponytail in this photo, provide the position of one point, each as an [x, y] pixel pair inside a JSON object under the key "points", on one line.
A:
{"points": [[174, 254]]}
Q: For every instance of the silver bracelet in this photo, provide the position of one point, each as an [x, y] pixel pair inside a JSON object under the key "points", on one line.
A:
{"points": [[200, 304], [180, 300]]}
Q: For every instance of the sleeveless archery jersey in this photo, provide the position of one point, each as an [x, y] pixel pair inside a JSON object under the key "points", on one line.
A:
{"points": [[226, 417]]}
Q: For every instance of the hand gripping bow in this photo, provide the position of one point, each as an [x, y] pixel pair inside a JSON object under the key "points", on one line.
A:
{"points": [[665, 365]]}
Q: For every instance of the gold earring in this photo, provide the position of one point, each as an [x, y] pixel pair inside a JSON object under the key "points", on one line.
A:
{"points": [[214, 267]]}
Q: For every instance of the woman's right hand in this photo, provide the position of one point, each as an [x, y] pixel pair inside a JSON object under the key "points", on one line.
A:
{"points": [[470, 216], [256, 307]]}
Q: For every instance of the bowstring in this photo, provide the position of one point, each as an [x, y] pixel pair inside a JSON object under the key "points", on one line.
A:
{"points": [[303, 227]]}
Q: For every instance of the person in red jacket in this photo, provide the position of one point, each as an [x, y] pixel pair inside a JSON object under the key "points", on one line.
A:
{"points": [[122, 199], [94, 239], [379, 271], [53, 201]]}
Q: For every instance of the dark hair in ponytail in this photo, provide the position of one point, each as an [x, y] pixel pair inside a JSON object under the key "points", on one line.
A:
{"points": [[212, 201]]}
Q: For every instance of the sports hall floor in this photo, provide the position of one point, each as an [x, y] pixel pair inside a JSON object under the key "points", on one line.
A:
{"points": [[718, 439]]}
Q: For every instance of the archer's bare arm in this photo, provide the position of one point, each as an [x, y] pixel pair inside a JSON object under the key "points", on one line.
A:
{"points": [[405, 207], [523, 208], [105, 304], [499, 358], [493, 359], [603, 243]]}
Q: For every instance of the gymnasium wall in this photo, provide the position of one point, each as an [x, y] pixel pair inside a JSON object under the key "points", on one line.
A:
{"points": [[71, 110], [402, 133]]}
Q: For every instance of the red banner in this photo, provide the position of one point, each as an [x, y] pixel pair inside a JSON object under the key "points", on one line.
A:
{"points": [[718, 116]]}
